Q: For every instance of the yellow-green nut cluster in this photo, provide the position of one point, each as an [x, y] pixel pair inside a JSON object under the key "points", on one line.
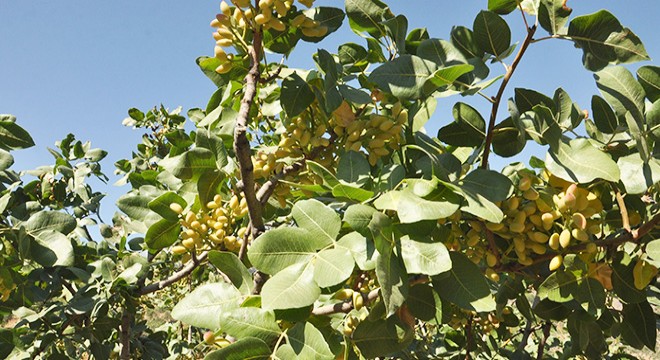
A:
{"points": [[535, 224], [211, 228], [379, 135]]}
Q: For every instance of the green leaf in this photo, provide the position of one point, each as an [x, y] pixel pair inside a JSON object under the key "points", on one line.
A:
{"points": [[639, 325], [649, 77], [502, 7], [50, 221], [279, 248], [653, 249], [465, 285], [293, 287], [604, 117], [490, 184], [421, 111], [352, 56], [441, 52], [13, 136], [422, 304], [207, 139], [191, 164], [229, 264], [397, 28], [333, 266], [353, 168], [603, 41], [390, 271], [526, 99], [329, 17], [208, 299], [553, 15], [352, 193], [162, 234], [469, 129], [249, 322], [161, 205], [558, 287], [446, 76], [653, 120], [306, 342], [550, 310], [580, 162], [296, 95], [322, 222], [623, 280], [411, 208], [422, 256], [382, 337], [481, 207], [245, 348], [463, 39], [403, 77], [52, 248], [508, 140], [367, 16], [492, 33], [362, 249], [209, 185], [359, 216], [638, 176], [135, 206], [6, 160], [626, 96], [591, 294]]}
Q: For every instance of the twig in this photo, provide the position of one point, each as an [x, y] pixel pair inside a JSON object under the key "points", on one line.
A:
{"points": [[241, 142], [345, 306], [526, 334], [185, 271], [259, 279], [522, 12], [125, 335], [491, 243], [469, 337], [544, 340], [624, 211], [498, 98]]}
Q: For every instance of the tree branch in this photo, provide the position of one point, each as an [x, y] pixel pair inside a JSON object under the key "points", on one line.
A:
{"points": [[185, 271], [125, 335], [241, 142], [345, 306], [544, 340], [498, 98]]}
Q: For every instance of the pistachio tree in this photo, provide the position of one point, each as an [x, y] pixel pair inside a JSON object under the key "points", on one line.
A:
{"points": [[308, 214]]}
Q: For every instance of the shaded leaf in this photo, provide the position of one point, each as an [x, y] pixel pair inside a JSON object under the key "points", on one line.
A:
{"points": [[465, 285]]}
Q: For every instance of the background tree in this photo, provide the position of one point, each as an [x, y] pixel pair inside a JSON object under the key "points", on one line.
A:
{"points": [[309, 215]]}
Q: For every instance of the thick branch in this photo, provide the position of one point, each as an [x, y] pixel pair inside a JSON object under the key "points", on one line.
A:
{"points": [[498, 98], [241, 142], [345, 306], [185, 271], [125, 335]]}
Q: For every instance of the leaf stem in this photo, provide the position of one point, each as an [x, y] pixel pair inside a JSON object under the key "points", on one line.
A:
{"points": [[498, 98], [625, 219]]}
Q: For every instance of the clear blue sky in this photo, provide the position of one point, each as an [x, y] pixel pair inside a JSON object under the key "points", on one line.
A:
{"points": [[78, 65]]}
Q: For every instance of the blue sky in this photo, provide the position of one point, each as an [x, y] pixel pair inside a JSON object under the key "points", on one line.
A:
{"points": [[78, 65]]}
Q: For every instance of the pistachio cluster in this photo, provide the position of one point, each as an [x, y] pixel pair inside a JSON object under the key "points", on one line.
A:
{"points": [[234, 21], [211, 227], [379, 134]]}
